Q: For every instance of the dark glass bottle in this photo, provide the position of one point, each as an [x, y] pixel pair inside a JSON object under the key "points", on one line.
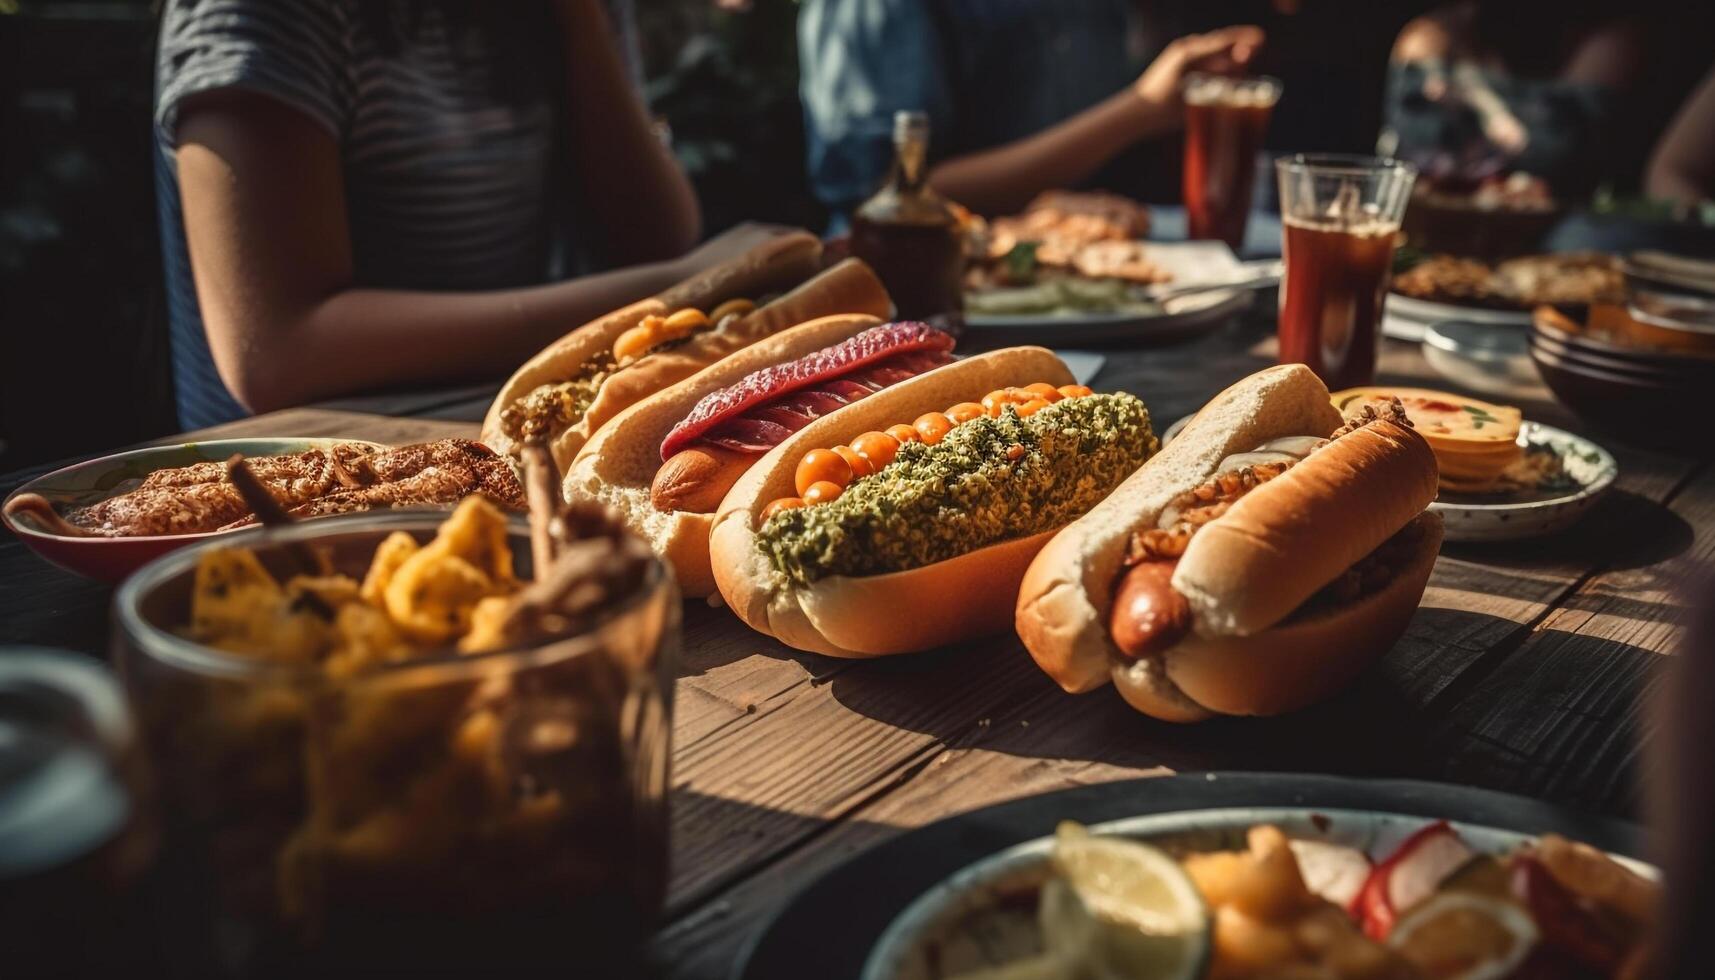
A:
{"points": [[910, 236]]}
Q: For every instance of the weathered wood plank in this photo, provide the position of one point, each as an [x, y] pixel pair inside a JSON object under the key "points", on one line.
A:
{"points": [[1034, 747], [763, 782], [1565, 715]]}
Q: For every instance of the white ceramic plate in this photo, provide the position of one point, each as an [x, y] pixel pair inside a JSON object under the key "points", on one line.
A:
{"points": [[1406, 318], [1187, 316], [1481, 517], [966, 920], [1510, 517]]}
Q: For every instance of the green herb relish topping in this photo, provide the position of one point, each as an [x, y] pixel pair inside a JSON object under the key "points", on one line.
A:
{"points": [[970, 490], [551, 409]]}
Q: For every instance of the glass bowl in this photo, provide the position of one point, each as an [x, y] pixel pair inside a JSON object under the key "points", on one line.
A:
{"points": [[480, 812]]}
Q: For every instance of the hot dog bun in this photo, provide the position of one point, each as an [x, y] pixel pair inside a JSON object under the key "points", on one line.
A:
{"points": [[877, 615], [774, 266], [847, 288], [1288, 666], [619, 464], [1247, 571]]}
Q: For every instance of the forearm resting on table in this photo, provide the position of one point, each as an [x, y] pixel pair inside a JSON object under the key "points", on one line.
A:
{"points": [[270, 249], [1004, 179], [364, 339]]}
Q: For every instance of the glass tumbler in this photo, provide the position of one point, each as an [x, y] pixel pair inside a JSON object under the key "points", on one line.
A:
{"points": [[1225, 122], [492, 812], [77, 834], [1341, 216]]}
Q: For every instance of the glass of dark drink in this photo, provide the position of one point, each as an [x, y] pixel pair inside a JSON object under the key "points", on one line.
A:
{"points": [[1225, 120], [1341, 216]]}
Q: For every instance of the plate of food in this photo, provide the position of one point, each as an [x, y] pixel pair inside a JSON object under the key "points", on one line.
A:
{"points": [[107, 517], [1072, 268], [1480, 212], [1446, 287], [1502, 478], [1218, 874]]}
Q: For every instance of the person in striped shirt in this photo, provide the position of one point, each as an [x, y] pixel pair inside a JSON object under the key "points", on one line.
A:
{"points": [[363, 194]]}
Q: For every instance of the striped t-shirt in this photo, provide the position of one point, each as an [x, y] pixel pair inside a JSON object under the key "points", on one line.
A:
{"points": [[446, 129]]}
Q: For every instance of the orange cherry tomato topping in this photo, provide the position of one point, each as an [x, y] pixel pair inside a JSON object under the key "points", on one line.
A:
{"points": [[823, 491], [1075, 391], [821, 466], [861, 467], [1031, 407], [932, 426], [964, 412], [784, 503], [877, 448], [1045, 391], [904, 433], [995, 401]]}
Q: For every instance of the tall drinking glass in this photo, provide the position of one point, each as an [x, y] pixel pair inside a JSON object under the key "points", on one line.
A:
{"points": [[1225, 121], [1341, 216]]}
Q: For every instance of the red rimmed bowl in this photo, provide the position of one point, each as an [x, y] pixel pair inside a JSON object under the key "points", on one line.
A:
{"points": [[111, 560]]}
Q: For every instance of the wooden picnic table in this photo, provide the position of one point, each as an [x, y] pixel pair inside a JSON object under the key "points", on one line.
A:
{"points": [[1528, 668]]}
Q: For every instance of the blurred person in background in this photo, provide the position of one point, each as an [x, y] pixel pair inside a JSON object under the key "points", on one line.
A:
{"points": [[1486, 87], [1023, 95], [358, 194], [1682, 165]]}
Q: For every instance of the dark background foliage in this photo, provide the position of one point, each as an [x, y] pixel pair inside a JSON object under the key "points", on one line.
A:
{"points": [[84, 361]]}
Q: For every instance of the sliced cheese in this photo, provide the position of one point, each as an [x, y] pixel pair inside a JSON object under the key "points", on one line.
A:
{"points": [[1444, 419]]}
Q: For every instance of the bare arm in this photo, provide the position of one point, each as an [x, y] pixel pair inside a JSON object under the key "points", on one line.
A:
{"points": [[647, 209], [1682, 165], [1610, 56], [265, 219], [1005, 178]]}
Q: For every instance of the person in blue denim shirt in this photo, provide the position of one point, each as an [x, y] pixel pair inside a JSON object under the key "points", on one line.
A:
{"points": [[1023, 95], [1476, 89]]}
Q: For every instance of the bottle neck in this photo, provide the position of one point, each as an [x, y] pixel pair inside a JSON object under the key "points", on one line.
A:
{"points": [[910, 164]]}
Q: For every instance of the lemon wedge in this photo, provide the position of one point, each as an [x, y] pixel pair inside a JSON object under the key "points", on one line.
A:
{"points": [[1150, 922], [1465, 936]]}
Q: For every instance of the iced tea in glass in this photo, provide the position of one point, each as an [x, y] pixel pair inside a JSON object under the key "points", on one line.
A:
{"points": [[1341, 216], [1225, 120]]}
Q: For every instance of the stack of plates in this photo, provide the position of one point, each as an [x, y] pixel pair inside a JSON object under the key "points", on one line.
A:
{"points": [[1651, 393]]}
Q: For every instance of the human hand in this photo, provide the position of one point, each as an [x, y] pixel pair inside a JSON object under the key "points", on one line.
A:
{"points": [[729, 244], [1226, 52]]}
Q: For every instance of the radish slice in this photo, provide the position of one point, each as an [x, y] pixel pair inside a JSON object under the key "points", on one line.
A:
{"points": [[1332, 871], [1411, 874]]}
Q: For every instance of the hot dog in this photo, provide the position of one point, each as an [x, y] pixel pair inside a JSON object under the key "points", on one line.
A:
{"points": [[576, 385], [704, 455], [906, 521], [667, 462], [1256, 565]]}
